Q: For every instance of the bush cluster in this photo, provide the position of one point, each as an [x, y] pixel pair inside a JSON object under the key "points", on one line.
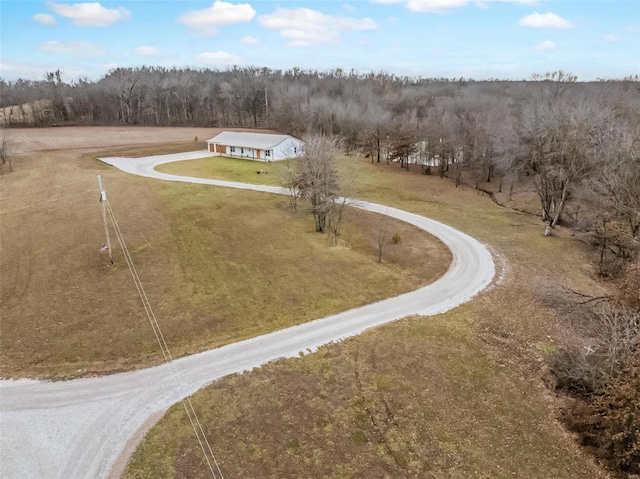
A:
{"points": [[597, 361]]}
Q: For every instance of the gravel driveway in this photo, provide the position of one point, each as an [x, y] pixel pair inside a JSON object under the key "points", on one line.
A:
{"points": [[81, 428]]}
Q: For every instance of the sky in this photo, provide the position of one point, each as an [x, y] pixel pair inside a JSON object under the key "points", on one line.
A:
{"points": [[479, 39]]}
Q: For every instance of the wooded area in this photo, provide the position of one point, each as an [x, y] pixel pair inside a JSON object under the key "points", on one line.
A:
{"points": [[575, 146], [552, 129]]}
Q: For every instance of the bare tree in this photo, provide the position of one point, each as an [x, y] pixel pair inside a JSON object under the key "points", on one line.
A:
{"points": [[317, 176], [289, 179], [559, 137], [347, 173], [6, 150], [618, 179]]}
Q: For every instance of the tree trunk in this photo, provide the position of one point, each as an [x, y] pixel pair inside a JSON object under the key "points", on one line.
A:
{"points": [[321, 220], [563, 200], [547, 230]]}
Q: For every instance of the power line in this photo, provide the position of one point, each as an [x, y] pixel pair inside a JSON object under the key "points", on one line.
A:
{"points": [[187, 404], [40, 190], [46, 202]]}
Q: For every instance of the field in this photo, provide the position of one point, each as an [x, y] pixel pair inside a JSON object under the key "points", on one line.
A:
{"points": [[217, 265], [459, 395]]}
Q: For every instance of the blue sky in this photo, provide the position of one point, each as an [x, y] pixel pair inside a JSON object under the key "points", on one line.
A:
{"points": [[478, 39]]}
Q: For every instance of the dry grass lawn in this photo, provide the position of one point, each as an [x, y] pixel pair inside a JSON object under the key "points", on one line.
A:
{"points": [[217, 265], [458, 395]]}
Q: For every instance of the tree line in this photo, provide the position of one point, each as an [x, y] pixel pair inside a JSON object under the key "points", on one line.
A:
{"points": [[574, 144]]}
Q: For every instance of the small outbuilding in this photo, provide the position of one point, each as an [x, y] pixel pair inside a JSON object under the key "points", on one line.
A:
{"points": [[255, 146]]}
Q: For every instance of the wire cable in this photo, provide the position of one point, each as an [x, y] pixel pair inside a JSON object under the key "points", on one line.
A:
{"points": [[186, 402], [40, 190], [163, 345], [47, 202]]}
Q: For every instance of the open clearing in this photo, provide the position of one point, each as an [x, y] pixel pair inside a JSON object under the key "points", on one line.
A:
{"points": [[97, 417], [463, 389], [217, 265], [458, 395]]}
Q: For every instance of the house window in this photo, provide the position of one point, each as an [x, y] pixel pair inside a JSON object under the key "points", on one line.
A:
{"points": [[232, 149], [295, 149], [267, 153], [242, 151]]}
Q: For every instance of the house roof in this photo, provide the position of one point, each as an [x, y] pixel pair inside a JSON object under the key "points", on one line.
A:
{"points": [[262, 141]]}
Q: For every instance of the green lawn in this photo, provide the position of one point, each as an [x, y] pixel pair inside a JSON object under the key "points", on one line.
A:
{"points": [[231, 169]]}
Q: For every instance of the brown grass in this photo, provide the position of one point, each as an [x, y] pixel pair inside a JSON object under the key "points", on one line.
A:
{"points": [[217, 265], [458, 395]]}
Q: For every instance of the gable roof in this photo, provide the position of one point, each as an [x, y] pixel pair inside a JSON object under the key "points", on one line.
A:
{"points": [[262, 141]]}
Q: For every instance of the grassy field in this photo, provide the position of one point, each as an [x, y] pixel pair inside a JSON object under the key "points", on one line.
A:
{"points": [[458, 395], [217, 265], [230, 169]]}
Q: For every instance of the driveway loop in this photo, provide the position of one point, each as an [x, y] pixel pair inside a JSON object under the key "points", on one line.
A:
{"points": [[80, 428]]}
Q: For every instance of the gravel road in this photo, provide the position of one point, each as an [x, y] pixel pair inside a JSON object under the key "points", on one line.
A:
{"points": [[80, 428]]}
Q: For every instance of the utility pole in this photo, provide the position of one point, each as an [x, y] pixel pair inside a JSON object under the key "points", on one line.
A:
{"points": [[103, 200]]}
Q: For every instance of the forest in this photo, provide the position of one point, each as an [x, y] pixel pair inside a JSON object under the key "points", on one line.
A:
{"points": [[570, 150]]}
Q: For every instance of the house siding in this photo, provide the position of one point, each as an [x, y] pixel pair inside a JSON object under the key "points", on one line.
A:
{"points": [[288, 148]]}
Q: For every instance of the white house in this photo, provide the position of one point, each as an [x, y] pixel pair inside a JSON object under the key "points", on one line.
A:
{"points": [[255, 146]]}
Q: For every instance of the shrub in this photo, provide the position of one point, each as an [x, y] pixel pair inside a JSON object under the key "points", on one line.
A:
{"points": [[592, 354], [615, 247], [608, 423], [629, 289], [396, 238]]}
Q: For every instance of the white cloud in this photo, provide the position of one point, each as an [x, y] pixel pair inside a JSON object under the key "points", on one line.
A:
{"points": [[147, 51], [442, 5], [44, 19], [205, 22], [249, 40], [304, 27], [109, 66], [545, 20], [545, 46], [434, 5], [522, 2], [610, 38], [90, 14], [74, 49], [11, 70], [218, 59]]}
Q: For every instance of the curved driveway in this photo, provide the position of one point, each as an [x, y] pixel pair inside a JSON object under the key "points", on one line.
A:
{"points": [[79, 429]]}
